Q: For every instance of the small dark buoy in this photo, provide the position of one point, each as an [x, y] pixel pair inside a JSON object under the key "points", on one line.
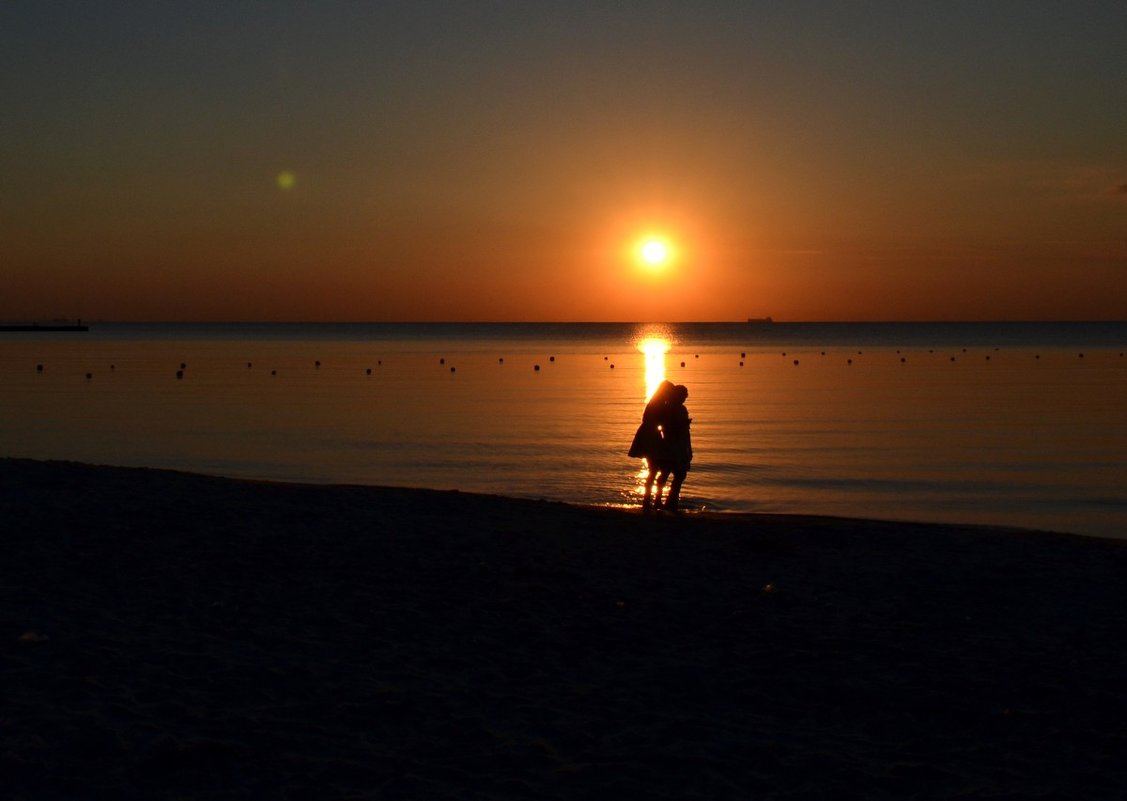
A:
{"points": [[453, 369], [696, 356], [605, 358], [317, 364], [442, 361], [39, 367], [823, 353], [369, 372], [179, 373], [612, 365], [903, 360], [1081, 355], [248, 365], [796, 362], [784, 353], [501, 360], [379, 363], [273, 372], [964, 350], [536, 368], [682, 364], [743, 354], [741, 364], [987, 358], [183, 366], [849, 361], [952, 358], [1038, 356], [551, 358], [89, 376], [113, 366]]}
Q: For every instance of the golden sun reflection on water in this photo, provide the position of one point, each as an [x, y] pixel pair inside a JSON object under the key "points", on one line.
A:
{"points": [[653, 349]]}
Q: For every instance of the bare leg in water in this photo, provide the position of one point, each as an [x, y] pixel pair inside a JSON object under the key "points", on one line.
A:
{"points": [[651, 472], [673, 501], [662, 477]]}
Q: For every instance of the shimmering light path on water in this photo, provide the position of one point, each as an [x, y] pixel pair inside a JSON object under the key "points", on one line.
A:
{"points": [[1006, 425]]}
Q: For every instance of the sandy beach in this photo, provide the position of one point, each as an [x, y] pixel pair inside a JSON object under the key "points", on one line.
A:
{"points": [[169, 635]]}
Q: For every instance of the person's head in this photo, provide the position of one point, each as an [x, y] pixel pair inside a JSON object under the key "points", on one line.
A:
{"points": [[679, 394], [663, 392]]}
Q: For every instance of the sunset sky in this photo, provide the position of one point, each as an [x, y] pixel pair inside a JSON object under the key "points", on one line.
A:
{"points": [[507, 160]]}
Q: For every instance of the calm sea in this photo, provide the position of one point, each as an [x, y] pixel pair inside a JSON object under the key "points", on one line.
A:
{"points": [[1012, 424]]}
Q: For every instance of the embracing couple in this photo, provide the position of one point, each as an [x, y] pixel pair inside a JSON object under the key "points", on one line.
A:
{"points": [[663, 441]]}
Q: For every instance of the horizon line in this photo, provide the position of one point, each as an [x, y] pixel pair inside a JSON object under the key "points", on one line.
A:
{"points": [[748, 321]]}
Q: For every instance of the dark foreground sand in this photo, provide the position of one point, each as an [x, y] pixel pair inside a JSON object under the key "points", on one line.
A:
{"points": [[178, 636]]}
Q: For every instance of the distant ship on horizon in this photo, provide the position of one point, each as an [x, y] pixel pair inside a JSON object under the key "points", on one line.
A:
{"points": [[760, 320]]}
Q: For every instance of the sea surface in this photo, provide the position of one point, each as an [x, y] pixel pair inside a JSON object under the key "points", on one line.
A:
{"points": [[1015, 424]]}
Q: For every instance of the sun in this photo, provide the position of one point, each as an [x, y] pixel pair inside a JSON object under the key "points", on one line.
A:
{"points": [[654, 252]]}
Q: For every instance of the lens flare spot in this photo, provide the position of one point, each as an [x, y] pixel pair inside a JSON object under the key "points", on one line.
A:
{"points": [[286, 180]]}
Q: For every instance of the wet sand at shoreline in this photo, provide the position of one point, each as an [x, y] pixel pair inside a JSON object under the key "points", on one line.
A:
{"points": [[175, 635]]}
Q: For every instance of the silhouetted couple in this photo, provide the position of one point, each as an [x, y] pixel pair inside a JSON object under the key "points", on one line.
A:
{"points": [[663, 441]]}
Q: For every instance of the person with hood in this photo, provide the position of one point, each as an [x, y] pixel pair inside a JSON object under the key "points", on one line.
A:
{"points": [[647, 443], [676, 452]]}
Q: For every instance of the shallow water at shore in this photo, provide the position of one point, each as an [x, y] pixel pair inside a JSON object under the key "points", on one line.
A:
{"points": [[1003, 424]]}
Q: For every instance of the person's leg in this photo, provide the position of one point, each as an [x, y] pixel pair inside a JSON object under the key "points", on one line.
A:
{"points": [[651, 471], [662, 476], [674, 499]]}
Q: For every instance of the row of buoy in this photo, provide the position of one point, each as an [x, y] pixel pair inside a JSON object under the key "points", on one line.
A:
{"points": [[39, 368], [904, 360]]}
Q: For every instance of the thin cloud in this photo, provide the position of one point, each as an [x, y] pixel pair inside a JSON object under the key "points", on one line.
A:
{"points": [[1080, 181]]}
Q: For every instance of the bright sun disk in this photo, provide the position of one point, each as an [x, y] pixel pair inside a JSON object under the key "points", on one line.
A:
{"points": [[654, 252]]}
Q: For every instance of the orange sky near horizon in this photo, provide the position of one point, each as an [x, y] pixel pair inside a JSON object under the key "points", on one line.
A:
{"points": [[435, 162]]}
